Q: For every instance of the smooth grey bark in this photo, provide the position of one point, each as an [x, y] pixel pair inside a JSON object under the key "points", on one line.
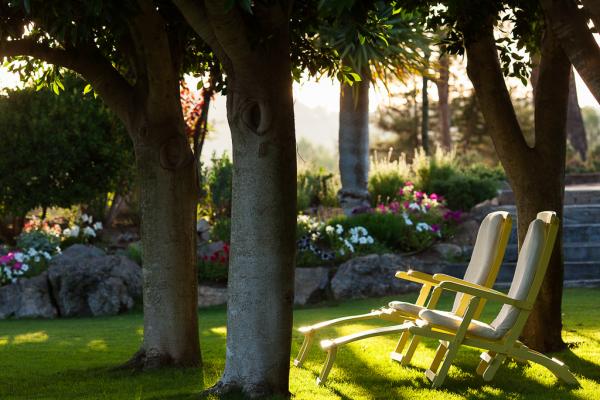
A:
{"points": [[263, 244], [536, 174], [353, 144], [575, 127], [443, 106]]}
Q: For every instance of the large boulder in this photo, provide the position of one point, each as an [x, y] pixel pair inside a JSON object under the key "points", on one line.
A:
{"points": [[211, 296], [28, 298], [371, 276], [85, 281], [311, 285]]}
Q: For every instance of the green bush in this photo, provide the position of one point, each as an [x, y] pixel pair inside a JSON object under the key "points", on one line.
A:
{"points": [[463, 189], [134, 252], [221, 229], [39, 240], [316, 188], [218, 181], [59, 150], [386, 176], [214, 267], [389, 230]]}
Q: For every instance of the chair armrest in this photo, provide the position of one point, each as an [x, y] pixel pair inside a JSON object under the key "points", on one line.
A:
{"points": [[418, 277], [481, 291]]}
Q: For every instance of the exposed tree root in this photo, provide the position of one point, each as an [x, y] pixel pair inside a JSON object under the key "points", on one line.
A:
{"points": [[253, 391]]}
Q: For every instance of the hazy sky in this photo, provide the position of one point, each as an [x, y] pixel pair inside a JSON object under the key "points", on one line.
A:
{"points": [[316, 106]]}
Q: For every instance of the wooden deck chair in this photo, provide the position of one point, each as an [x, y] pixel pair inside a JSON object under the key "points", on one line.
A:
{"points": [[500, 338], [483, 268]]}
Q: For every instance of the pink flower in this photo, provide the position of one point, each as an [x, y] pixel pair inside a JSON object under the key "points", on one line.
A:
{"points": [[400, 192], [17, 265], [433, 196], [409, 183], [435, 227]]}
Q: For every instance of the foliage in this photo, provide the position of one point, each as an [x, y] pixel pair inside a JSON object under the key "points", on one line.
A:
{"points": [[40, 235], [316, 188], [64, 149], [214, 267], [134, 252], [218, 178], [439, 173], [221, 229], [331, 242], [386, 176]]}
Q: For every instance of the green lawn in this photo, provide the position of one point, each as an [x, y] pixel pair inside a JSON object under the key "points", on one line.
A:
{"points": [[73, 359]]}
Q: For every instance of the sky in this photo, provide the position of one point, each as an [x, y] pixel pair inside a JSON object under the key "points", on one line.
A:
{"points": [[316, 106]]}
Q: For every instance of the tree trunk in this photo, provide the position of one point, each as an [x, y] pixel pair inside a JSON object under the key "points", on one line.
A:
{"points": [[425, 116], [354, 145], [442, 84], [575, 127], [168, 186], [536, 174], [263, 243]]}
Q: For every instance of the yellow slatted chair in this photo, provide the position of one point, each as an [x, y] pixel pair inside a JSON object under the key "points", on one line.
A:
{"points": [[499, 339]]}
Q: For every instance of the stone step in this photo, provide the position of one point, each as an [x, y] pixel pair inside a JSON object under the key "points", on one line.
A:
{"points": [[572, 252], [572, 214], [572, 233], [574, 271], [575, 194]]}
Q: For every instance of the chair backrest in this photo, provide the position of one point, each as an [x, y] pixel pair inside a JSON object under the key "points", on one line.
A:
{"points": [[487, 256], [532, 264]]}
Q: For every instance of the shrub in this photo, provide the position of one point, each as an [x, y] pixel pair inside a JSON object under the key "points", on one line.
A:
{"points": [[214, 267], [64, 150], [386, 176], [221, 229], [134, 252], [218, 181], [316, 188]]}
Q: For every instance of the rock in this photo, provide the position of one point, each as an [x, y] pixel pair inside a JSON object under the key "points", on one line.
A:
{"points": [[447, 251], [311, 285], [211, 296], [466, 233], [203, 229], [371, 276], [85, 281], [28, 298]]}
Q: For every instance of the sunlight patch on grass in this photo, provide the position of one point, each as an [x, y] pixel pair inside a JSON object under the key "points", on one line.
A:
{"points": [[219, 330], [97, 345], [32, 337], [4, 340]]}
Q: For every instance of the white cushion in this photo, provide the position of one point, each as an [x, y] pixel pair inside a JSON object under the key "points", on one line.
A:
{"points": [[406, 308], [452, 321]]}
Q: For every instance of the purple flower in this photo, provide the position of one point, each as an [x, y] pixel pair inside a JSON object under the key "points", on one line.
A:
{"points": [[435, 228], [400, 192], [452, 215], [433, 196], [394, 206]]}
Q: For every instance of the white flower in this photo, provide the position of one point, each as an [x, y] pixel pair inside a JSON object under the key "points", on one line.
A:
{"points": [[46, 255], [19, 257], [74, 231], [349, 246], [24, 267], [370, 240], [36, 258], [329, 229], [339, 229], [32, 252], [414, 206], [86, 218], [422, 226], [362, 240], [98, 226], [87, 231], [342, 252], [407, 220], [67, 232]]}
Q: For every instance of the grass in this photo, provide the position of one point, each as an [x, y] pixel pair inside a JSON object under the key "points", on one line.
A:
{"points": [[74, 359]]}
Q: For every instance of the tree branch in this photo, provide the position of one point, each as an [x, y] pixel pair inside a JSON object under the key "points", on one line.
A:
{"points": [[483, 69], [577, 41], [88, 62], [593, 9], [194, 13]]}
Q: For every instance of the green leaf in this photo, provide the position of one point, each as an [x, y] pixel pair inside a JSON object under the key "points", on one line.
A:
{"points": [[356, 77], [361, 39], [87, 89]]}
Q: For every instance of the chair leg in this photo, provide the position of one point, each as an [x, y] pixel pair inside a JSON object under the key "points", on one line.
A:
{"points": [[486, 358], [306, 344], [397, 355], [493, 366], [437, 379], [439, 356], [411, 350], [331, 353]]}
